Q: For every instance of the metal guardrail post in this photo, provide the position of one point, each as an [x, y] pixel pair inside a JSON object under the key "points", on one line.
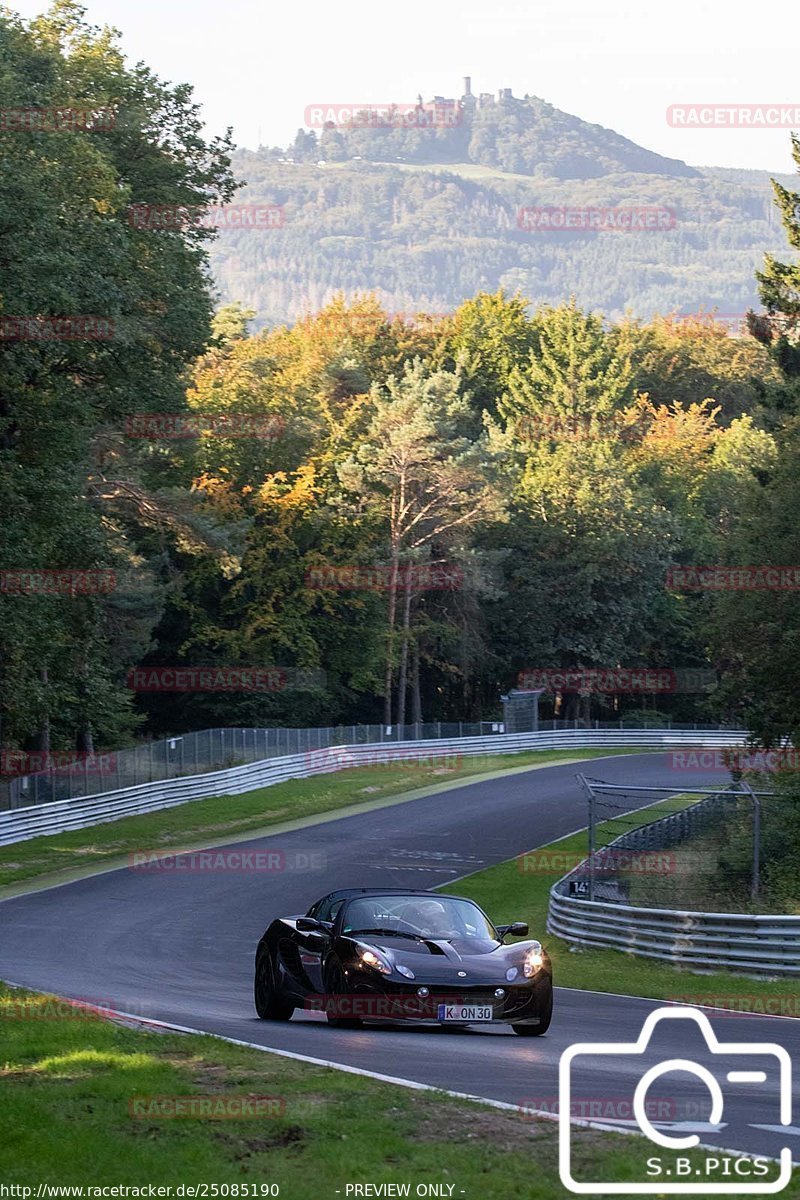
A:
{"points": [[591, 828], [756, 884]]}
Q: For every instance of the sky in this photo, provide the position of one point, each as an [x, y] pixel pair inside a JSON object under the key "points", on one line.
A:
{"points": [[257, 64]]}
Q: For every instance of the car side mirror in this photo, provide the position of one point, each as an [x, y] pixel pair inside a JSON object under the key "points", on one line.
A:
{"points": [[518, 929], [312, 925]]}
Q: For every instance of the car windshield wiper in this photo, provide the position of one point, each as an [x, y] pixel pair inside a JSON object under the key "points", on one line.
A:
{"points": [[415, 937]]}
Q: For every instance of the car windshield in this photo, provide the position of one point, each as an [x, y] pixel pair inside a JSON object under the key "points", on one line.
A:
{"points": [[420, 916]]}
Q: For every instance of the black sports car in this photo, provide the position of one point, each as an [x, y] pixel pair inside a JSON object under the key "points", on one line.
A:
{"points": [[385, 954]]}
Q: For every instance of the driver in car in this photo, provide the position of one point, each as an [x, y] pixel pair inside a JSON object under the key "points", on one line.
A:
{"points": [[430, 918]]}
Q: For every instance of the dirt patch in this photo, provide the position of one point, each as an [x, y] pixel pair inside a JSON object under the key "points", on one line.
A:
{"points": [[502, 1129], [18, 1074], [290, 1137], [211, 1078]]}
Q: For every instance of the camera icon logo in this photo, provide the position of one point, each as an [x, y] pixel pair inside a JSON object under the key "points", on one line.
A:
{"points": [[677, 1182]]}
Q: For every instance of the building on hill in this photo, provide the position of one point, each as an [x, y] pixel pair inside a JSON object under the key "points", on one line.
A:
{"points": [[469, 103], [446, 110]]}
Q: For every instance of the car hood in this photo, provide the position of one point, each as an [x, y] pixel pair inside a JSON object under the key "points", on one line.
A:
{"points": [[431, 946], [436, 959]]}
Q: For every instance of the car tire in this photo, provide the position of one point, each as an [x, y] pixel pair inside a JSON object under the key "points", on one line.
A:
{"points": [[270, 1004], [335, 986], [545, 1017]]}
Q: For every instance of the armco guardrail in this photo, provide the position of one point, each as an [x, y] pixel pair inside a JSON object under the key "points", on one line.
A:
{"points": [[203, 750], [20, 824], [757, 943]]}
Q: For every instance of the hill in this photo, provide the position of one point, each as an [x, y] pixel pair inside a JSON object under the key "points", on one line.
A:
{"points": [[523, 136], [425, 217]]}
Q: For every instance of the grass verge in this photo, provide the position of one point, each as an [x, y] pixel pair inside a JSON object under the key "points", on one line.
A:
{"points": [[510, 893], [84, 1098], [201, 823]]}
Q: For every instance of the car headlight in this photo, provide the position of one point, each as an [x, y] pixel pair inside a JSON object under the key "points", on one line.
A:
{"points": [[533, 961], [404, 970], [371, 959]]}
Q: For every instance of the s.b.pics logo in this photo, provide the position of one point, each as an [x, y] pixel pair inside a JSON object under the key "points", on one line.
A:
{"points": [[734, 1082]]}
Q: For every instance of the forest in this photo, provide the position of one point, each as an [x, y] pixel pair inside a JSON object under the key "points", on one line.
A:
{"points": [[387, 517]]}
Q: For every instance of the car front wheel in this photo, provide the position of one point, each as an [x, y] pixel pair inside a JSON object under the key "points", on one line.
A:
{"points": [[336, 986]]}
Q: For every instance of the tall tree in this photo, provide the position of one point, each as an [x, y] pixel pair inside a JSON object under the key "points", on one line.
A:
{"points": [[576, 378], [70, 251], [487, 337], [420, 474]]}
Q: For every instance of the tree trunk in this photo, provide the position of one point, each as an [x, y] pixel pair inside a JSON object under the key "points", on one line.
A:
{"points": [[387, 687], [44, 735], [585, 711], [86, 740], [416, 695], [402, 685], [85, 734]]}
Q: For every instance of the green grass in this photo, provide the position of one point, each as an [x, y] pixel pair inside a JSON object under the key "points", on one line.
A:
{"points": [[67, 1084], [510, 893], [229, 818]]}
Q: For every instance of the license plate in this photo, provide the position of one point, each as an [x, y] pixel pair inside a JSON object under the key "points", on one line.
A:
{"points": [[465, 1012]]}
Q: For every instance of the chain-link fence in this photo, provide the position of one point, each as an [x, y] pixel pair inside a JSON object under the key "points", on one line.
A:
{"points": [[201, 751], [695, 856], [712, 886], [215, 749]]}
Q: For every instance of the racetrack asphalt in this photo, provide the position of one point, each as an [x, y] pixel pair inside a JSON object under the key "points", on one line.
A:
{"points": [[178, 946]]}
